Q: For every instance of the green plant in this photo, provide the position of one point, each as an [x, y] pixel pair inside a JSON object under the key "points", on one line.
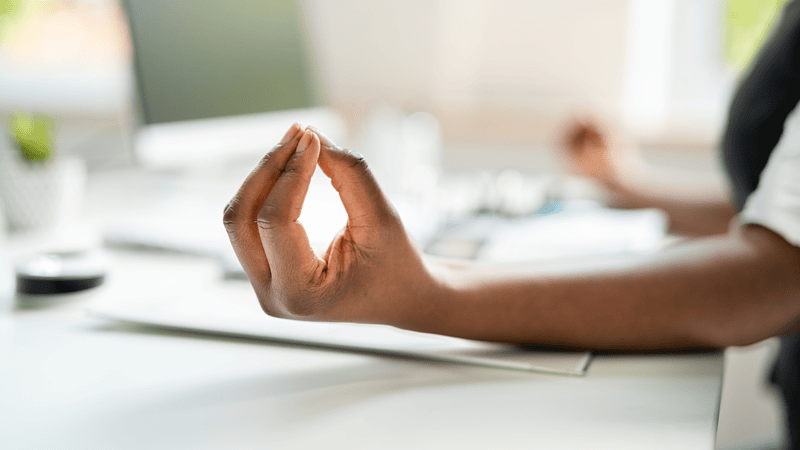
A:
{"points": [[34, 137], [8, 7]]}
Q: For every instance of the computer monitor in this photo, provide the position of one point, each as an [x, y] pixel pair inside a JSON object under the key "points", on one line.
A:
{"points": [[217, 58], [211, 75]]}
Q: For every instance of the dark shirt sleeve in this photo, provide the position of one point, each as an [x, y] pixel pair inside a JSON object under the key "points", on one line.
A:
{"points": [[761, 105]]}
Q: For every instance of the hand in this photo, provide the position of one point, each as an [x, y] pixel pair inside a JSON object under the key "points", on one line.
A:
{"points": [[600, 155], [370, 273]]}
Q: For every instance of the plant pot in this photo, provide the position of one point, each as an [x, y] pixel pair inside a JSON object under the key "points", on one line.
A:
{"points": [[38, 195]]}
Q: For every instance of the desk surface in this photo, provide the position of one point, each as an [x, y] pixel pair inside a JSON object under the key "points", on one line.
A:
{"points": [[68, 381]]}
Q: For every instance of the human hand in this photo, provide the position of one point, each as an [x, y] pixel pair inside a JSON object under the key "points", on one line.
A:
{"points": [[370, 273], [602, 155]]}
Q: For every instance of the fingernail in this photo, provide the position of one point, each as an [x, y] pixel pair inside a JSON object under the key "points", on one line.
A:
{"points": [[356, 154], [290, 133], [305, 141], [324, 140]]}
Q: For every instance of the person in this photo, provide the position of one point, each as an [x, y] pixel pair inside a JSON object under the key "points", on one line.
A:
{"points": [[735, 284], [597, 151]]}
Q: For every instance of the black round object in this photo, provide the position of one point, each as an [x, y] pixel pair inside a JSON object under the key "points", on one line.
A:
{"points": [[40, 285], [59, 273]]}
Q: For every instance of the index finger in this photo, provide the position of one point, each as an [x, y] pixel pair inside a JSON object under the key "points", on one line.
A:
{"points": [[241, 213], [361, 195]]}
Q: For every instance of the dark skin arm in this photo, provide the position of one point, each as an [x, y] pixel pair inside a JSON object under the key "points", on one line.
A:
{"points": [[733, 289], [608, 158]]}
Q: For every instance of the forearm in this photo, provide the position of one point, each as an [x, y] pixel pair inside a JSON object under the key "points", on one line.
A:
{"points": [[697, 202], [688, 215], [729, 290], [695, 208]]}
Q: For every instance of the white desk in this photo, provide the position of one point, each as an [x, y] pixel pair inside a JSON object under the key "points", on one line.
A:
{"points": [[68, 381], [71, 382]]}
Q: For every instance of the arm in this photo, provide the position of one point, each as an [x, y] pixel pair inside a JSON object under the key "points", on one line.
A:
{"points": [[726, 290], [704, 215], [734, 289], [693, 208]]}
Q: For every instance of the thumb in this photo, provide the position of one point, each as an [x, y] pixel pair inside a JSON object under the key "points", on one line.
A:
{"points": [[363, 199]]}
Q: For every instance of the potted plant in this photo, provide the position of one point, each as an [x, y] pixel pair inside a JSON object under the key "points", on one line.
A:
{"points": [[32, 178]]}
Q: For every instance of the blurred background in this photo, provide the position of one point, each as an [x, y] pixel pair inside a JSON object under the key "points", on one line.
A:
{"points": [[145, 101], [498, 76], [421, 88]]}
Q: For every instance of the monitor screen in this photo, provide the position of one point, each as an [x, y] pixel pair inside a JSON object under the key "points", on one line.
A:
{"points": [[217, 58]]}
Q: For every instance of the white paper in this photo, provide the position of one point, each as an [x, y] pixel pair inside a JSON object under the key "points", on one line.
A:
{"points": [[219, 311], [575, 233]]}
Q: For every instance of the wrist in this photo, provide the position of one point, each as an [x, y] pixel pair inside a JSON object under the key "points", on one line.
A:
{"points": [[626, 189], [422, 304]]}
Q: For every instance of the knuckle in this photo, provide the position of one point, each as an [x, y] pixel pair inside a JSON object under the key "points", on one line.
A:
{"points": [[269, 216], [230, 215], [295, 173], [355, 160], [361, 166], [291, 170]]}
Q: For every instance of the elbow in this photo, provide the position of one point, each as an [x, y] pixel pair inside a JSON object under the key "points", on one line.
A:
{"points": [[763, 298], [747, 331]]}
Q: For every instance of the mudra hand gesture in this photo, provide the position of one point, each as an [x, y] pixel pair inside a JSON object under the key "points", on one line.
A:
{"points": [[370, 273]]}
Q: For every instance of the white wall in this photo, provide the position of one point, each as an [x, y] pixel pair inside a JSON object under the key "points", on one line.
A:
{"points": [[485, 67], [512, 69]]}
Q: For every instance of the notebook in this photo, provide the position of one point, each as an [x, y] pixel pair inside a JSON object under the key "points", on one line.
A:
{"points": [[235, 312]]}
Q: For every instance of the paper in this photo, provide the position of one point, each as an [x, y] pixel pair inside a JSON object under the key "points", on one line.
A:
{"points": [[223, 312], [575, 233]]}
